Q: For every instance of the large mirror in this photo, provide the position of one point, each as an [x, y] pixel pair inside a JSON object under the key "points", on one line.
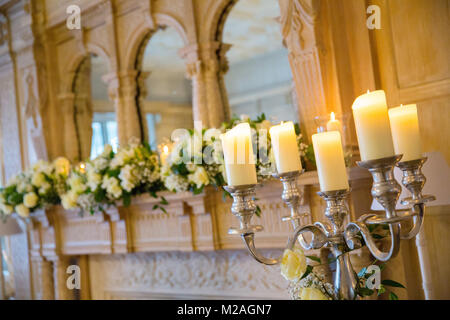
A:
{"points": [[259, 78], [95, 115], [165, 92]]}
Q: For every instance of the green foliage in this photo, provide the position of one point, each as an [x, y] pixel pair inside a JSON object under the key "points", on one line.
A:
{"points": [[314, 258]]}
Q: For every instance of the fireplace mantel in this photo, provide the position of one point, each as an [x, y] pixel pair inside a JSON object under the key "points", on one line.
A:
{"points": [[193, 223]]}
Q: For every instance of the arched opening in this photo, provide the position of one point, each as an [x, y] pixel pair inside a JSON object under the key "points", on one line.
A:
{"points": [[259, 79], [164, 93]]}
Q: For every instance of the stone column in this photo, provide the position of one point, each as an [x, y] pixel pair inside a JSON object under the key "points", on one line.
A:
{"points": [[122, 89], [71, 143], [204, 68], [43, 279]]}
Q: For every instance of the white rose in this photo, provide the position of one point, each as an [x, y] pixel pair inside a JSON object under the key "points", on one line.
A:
{"points": [[199, 177], [311, 294], [69, 200], [22, 211], [115, 191], [293, 264], [6, 209], [76, 184], [106, 150], [30, 200], [38, 179], [94, 179], [62, 166]]}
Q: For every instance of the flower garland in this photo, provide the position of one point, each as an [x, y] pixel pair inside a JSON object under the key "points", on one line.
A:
{"points": [[35, 188], [196, 160]]}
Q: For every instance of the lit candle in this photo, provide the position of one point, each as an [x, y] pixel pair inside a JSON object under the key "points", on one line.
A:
{"points": [[334, 124], [372, 126], [330, 161], [238, 154], [405, 132], [164, 154], [82, 167], [285, 149]]}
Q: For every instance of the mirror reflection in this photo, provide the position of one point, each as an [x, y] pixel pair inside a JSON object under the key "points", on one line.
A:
{"points": [[95, 114], [165, 92], [259, 78]]}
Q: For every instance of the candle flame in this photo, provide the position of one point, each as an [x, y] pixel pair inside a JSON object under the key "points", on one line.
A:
{"points": [[82, 167], [368, 91], [332, 116], [166, 150], [401, 104]]}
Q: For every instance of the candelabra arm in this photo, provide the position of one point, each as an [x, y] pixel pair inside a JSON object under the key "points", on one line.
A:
{"points": [[318, 240], [419, 210], [351, 240], [249, 240]]}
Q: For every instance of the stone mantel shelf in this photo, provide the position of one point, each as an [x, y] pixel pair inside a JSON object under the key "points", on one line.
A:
{"points": [[192, 222]]}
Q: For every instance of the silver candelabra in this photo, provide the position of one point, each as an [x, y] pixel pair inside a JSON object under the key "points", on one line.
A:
{"points": [[339, 237]]}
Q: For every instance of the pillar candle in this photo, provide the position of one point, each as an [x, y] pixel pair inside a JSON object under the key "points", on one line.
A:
{"points": [[285, 149], [238, 154], [373, 130], [330, 161], [405, 132], [334, 124]]}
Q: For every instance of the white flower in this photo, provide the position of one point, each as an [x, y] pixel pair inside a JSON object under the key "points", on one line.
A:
{"points": [[30, 200], [62, 166], [212, 133], [93, 179], [128, 178], [199, 177], [22, 211], [76, 184], [311, 294], [38, 179], [69, 200], [111, 185], [293, 264], [176, 183], [106, 150], [6, 209]]}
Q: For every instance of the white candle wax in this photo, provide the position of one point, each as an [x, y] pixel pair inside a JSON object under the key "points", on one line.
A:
{"points": [[333, 124], [285, 149], [405, 132], [373, 130], [330, 161], [238, 154]]}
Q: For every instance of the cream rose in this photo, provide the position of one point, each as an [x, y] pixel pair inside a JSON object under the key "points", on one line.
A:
{"points": [[311, 294], [38, 179], [30, 200], [22, 211], [293, 264], [69, 200], [62, 166], [6, 209]]}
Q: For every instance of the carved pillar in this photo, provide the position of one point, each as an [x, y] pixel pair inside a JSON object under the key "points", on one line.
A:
{"points": [[43, 279], [142, 94], [83, 108], [71, 144], [300, 33], [123, 92], [204, 68]]}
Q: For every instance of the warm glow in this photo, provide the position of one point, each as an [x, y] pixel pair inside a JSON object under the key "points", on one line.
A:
{"points": [[368, 91], [166, 150], [82, 167], [332, 116]]}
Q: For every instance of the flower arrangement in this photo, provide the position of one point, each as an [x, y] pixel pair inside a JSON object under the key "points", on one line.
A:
{"points": [[308, 283], [196, 159], [35, 188], [113, 177]]}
